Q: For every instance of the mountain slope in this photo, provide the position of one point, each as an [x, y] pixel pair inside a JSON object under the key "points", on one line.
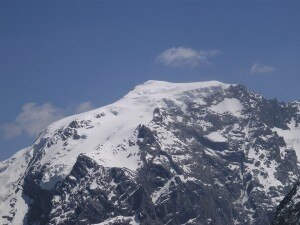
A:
{"points": [[288, 211], [197, 153]]}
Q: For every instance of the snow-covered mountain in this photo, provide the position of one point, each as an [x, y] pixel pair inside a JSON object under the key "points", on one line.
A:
{"points": [[166, 153]]}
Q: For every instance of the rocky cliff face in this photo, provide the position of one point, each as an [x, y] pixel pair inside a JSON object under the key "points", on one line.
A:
{"points": [[199, 153], [288, 211]]}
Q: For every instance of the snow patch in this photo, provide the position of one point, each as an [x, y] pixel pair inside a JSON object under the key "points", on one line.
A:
{"points": [[119, 219], [216, 137], [228, 105], [291, 136]]}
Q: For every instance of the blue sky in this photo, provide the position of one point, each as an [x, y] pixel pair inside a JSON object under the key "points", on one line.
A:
{"points": [[60, 57]]}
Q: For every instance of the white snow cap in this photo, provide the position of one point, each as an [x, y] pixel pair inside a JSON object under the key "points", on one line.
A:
{"points": [[162, 87]]}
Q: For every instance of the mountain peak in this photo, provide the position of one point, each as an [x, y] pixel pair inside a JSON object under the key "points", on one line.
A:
{"points": [[166, 83], [147, 158], [163, 88]]}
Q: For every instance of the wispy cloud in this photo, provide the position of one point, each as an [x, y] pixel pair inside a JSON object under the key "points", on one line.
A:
{"points": [[33, 118], [257, 68], [83, 107], [181, 56]]}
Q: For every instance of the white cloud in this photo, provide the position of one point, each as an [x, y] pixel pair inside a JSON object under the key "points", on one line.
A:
{"points": [[11, 130], [181, 56], [261, 68], [83, 107], [33, 118]]}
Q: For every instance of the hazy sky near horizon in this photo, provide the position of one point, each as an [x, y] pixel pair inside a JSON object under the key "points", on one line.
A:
{"points": [[60, 57]]}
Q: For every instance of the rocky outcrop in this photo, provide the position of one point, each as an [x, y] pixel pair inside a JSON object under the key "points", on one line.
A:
{"points": [[288, 211]]}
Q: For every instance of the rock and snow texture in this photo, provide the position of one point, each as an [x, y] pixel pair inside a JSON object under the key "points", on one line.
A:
{"points": [[288, 211], [196, 153]]}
